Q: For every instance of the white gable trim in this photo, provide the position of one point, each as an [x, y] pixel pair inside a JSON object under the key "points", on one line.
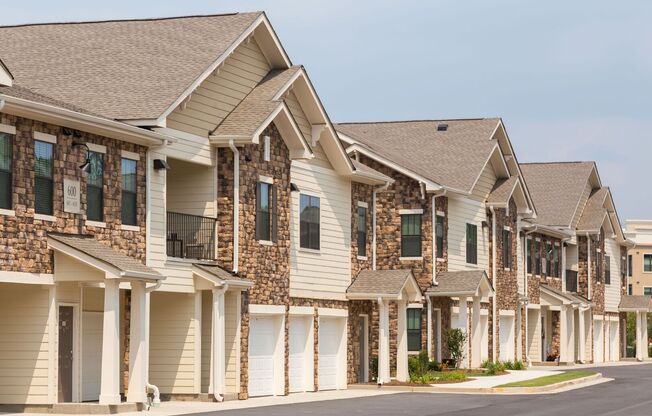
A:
{"points": [[6, 79]]}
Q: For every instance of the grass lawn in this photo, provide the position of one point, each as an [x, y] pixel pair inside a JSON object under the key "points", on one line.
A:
{"points": [[548, 380]]}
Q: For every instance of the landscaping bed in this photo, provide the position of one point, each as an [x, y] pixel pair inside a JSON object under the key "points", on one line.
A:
{"points": [[549, 380]]}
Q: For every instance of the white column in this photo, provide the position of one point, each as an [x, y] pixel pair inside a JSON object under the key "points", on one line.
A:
{"points": [[110, 380], [401, 343], [644, 335], [219, 362], [429, 327], [476, 334], [383, 342], [197, 340], [137, 345], [463, 324], [582, 338]]}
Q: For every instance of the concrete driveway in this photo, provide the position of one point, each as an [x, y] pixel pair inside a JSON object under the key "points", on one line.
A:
{"points": [[630, 394]]}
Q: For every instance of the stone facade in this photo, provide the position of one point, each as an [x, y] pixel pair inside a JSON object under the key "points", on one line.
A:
{"points": [[361, 193], [597, 285], [23, 238]]}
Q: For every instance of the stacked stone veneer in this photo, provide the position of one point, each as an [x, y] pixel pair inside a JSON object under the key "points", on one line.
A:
{"points": [[23, 238]]}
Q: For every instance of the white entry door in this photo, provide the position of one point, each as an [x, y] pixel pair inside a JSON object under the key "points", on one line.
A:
{"points": [[613, 341], [297, 355], [262, 345], [91, 355], [506, 338], [598, 341], [330, 338], [484, 340]]}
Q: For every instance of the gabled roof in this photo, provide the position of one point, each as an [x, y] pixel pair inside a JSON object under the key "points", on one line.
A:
{"points": [[368, 175], [564, 297], [219, 276], [557, 188], [389, 284], [595, 212], [633, 303], [128, 69], [453, 158], [462, 283], [86, 248]]}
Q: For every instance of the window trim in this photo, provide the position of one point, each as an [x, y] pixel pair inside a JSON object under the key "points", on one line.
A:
{"points": [[419, 313], [45, 216], [412, 256], [467, 243], [134, 192], [507, 249], [101, 190], [362, 249], [310, 249], [643, 261]]}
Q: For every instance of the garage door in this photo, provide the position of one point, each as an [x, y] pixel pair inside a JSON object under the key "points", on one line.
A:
{"points": [[330, 337], [91, 355], [506, 338], [262, 344], [613, 341], [297, 354], [598, 341]]}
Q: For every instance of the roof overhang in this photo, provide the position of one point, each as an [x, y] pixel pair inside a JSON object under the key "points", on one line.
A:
{"points": [[286, 125], [484, 289], [520, 198], [553, 298], [207, 280], [79, 121], [6, 79], [409, 292]]}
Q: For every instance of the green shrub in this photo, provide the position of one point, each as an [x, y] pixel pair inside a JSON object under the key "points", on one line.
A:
{"points": [[418, 365], [455, 341], [485, 364], [508, 365], [373, 371], [518, 365], [452, 376], [495, 368], [435, 366]]}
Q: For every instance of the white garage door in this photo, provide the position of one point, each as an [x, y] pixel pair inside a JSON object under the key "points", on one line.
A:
{"points": [[506, 338], [91, 355], [262, 344], [330, 337], [297, 354], [613, 340], [598, 341]]}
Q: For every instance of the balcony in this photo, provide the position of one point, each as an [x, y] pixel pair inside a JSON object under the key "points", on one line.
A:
{"points": [[571, 281], [190, 236]]}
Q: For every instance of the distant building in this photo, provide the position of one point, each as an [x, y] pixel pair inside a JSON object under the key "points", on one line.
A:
{"points": [[639, 258]]}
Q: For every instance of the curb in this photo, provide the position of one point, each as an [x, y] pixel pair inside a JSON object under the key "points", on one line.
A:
{"points": [[552, 388]]}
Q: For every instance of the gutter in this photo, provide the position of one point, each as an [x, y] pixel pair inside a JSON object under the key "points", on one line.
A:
{"points": [[236, 203]]}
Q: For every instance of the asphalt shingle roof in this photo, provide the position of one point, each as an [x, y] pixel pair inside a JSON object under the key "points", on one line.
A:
{"points": [[380, 282], [594, 211], [635, 302], [502, 190], [219, 272], [556, 189], [463, 281], [452, 158], [128, 69]]}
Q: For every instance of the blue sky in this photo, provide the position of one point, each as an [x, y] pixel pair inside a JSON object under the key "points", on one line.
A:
{"points": [[572, 80]]}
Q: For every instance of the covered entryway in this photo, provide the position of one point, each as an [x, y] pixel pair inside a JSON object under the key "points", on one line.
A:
{"points": [[301, 349], [560, 310], [266, 361], [639, 305]]}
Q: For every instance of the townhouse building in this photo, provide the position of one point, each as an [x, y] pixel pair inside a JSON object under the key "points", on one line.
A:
{"points": [[639, 257]]}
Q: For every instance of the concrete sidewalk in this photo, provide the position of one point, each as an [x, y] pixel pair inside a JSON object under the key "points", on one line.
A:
{"points": [[485, 382]]}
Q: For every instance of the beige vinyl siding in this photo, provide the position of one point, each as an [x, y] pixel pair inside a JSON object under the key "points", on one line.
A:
{"points": [[218, 95], [191, 188], [156, 232], [191, 148], [325, 274], [485, 183], [24, 344], [172, 350], [206, 334], [612, 291], [580, 206], [460, 212]]}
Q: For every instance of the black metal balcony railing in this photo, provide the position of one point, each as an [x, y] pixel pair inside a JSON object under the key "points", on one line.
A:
{"points": [[571, 281], [190, 236]]}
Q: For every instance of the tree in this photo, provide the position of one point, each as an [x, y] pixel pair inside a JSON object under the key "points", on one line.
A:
{"points": [[456, 341]]}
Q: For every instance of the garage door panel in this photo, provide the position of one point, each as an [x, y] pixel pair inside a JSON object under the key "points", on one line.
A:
{"points": [[297, 355], [262, 345], [330, 337]]}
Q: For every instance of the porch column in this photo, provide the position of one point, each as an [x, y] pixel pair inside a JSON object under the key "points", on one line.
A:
{"points": [[383, 342], [463, 324], [401, 343], [137, 345], [565, 332], [582, 347], [219, 361], [476, 335], [645, 335], [110, 379]]}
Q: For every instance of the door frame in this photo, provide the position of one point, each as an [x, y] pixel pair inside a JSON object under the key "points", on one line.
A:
{"points": [[365, 338], [76, 350]]}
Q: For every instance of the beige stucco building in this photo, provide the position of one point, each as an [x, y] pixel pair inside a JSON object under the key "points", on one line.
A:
{"points": [[639, 257]]}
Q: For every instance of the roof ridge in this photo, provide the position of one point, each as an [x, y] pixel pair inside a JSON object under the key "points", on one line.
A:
{"points": [[144, 19], [558, 162], [418, 120]]}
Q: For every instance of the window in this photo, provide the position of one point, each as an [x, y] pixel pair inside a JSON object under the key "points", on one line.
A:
{"points": [[266, 149], [598, 266], [528, 249], [629, 265], [128, 192], [439, 234], [629, 289], [607, 270], [411, 235], [647, 291], [537, 257], [43, 177], [309, 222], [507, 249], [548, 258], [94, 191], [647, 263], [266, 218], [414, 329], [6, 157], [362, 231], [472, 243], [555, 261]]}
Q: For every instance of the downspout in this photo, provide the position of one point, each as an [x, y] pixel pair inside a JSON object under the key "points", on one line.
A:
{"points": [[494, 270], [373, 223], [149, 386], [236, 203], [218, 396]]}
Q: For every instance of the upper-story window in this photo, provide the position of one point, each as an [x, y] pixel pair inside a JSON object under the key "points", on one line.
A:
{"points": [[555, 272], [43, 177], [362, 231], [129, 189], [537, 257], [411, 235], [528, 250], [439, 233], [471, 243], [548, 259], [507, 249], [607, 270], [6, 158], [629, 265], [629, 289], [647, 263], [95, 191], [265, 212], [309, 222], [647, 291], [598, 265]]}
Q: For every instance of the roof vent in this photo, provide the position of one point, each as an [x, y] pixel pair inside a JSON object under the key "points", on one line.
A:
{"points": [[442, 127]]}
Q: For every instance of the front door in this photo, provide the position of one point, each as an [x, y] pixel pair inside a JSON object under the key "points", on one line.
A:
{"points": [[65, 353]]}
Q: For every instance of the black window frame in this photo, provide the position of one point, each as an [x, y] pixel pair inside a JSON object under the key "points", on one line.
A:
{"points": [[362, 231], [411, 244], [6, 173], [95, 191], [309, 222], [266, 220], [630, 261], [471, 243], [599, 258], [529, 257], [645, 266], [414, 333], [40, 180], [129, 195], [507, 249], [607, 270], [538, 264], [645, 289], [439, 235]]}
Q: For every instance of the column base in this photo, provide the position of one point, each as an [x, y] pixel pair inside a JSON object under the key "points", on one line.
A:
{"points": [[110, 399]]}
